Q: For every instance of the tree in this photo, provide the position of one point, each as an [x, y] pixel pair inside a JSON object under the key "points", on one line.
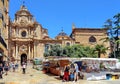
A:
{"points": [[68, 51], [46, 54], [100, 50], [80, 51], [117, 27], [113, 26], [55, 50], [75, 51], [89, 52]]}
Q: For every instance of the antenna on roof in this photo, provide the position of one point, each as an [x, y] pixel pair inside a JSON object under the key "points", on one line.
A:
{"points": [[23, 2], [62, 29]]}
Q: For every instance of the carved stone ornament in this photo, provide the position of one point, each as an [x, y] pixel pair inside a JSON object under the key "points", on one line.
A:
{"points": [[23, 22]]}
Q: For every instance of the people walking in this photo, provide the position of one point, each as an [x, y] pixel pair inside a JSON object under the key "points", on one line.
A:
{"points": [[24, 67], [76, 72], [6, 68], [72, 71], [13, 66], [66, 74], [16, 66]]}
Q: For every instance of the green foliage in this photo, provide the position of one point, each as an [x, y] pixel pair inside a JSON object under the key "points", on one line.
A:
{"points": [[46, 54], [100, 49], [55, 50], [113, 26], [89, 52], [80, 51], [76, 51]]}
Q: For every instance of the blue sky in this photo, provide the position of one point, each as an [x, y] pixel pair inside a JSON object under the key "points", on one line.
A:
{"points": [[56, 15]]}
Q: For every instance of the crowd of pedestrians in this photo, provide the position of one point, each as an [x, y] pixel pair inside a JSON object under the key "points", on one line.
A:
{"points": [[6, 67], [71, 73]]}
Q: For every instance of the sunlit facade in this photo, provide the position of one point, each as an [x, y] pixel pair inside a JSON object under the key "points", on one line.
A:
{"points": [[28, 39], [91, 37], [4, 19]]}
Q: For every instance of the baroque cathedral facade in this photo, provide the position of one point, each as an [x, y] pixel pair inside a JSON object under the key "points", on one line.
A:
{"points": [[27, 39]]}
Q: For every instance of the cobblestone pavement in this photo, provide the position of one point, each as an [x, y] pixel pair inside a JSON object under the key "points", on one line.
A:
{"points": [[33, 76]]}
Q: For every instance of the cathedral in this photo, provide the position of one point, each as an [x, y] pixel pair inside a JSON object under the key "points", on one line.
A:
{"points": [[27, 39]]}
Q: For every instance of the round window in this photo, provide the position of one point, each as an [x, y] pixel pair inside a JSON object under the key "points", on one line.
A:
{"points": [[23, 33]]}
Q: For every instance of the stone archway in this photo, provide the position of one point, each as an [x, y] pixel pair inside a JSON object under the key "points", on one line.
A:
{"points": [[23, 58]]}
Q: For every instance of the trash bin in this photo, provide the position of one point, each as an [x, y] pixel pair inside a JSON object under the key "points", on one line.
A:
{"points": [[108, 76]]}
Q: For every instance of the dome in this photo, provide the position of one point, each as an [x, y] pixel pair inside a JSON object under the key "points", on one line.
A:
{"points": [[24, 10], [62, 33]]}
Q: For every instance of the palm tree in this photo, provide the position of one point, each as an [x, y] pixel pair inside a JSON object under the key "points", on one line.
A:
{"points": [[109, 26], [89, 52], [100, 49], [117, 27], [111, 36]]}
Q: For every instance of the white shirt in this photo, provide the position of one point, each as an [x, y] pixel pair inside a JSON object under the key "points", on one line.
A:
{"points": [[24, 66]]}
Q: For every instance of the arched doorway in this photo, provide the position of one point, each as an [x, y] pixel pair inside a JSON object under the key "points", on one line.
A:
{"points": [[23, 58]]}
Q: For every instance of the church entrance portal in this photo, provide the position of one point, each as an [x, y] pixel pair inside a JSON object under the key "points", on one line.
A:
{"points": [[23, 58]]}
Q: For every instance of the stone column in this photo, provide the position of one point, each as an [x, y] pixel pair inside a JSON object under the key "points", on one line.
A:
{"points": [[29, 32], [34, 50], [16, 51], [13, 52], [17, 32], [29, 52], [32, 54]]}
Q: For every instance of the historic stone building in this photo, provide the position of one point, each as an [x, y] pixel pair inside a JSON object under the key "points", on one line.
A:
{"points": [[90, 37], [28, 39], [65, 39], [4, 6]]}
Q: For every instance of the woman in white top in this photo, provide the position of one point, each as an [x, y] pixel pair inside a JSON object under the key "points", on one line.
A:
{"points": [[24, 67]]}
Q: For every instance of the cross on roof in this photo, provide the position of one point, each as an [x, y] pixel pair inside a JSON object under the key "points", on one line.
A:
{"points": [[23, 2], [62, 29]]}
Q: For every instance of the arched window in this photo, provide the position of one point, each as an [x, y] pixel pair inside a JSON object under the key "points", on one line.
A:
{"points": [[92, 39], [67, 44], [23, 33]]}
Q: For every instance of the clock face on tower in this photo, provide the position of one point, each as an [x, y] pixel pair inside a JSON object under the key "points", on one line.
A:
{"points": [[23, 33]]}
